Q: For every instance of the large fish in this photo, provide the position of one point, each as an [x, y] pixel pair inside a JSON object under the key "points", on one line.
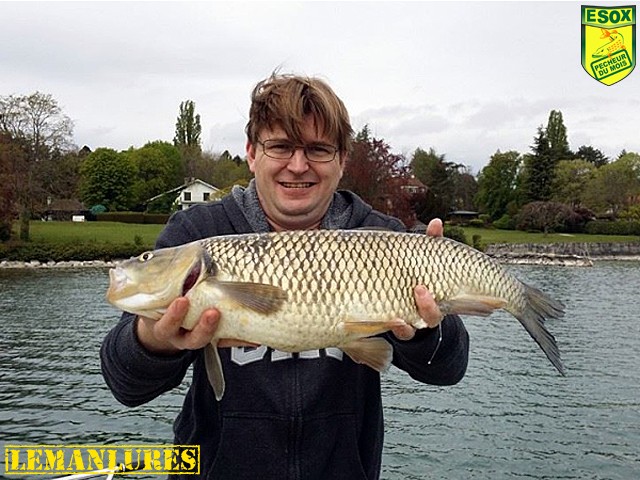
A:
{"points": [[303, 290]]}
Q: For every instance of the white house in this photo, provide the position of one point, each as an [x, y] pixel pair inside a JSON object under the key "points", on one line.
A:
{"points": [[192, 192], [195, 191]]}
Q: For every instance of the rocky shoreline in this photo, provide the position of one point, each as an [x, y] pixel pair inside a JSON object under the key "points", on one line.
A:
{"points": [[567, 254], [51, 264]]}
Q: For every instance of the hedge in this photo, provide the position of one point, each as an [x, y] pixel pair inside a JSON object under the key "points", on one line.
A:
{"points": [[133, 217], [24, 252], [618, 227]]}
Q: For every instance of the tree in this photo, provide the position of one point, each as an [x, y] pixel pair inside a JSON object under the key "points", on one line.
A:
{"points": [[158, 168], [545, 216], [11, 157], [440, 177], [615, 185], [592, 155], [497, 183], [187, 137], [225, 171], [378, 176], [538, 170], [107, 178], [37, 123], [570, 181], [557, 136]]}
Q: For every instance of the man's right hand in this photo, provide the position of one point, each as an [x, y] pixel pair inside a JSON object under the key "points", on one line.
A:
{"points": [[167, 337]]}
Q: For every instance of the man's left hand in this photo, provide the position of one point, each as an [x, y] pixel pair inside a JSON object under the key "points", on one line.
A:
{"points": [[427, 306]]}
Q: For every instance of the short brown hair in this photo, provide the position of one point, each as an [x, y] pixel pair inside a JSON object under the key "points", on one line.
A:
{"points": [[286, 100]]}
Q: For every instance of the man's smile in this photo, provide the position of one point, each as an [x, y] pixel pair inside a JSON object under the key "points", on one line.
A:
{"points": [[297, 184]]}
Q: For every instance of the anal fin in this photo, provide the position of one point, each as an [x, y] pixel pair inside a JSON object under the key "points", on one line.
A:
{"points": [[374, 352]]}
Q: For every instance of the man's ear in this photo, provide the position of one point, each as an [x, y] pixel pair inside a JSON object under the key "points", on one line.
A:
{"points": [[251, 156]]}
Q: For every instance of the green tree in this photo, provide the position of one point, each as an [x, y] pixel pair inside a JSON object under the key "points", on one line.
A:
{"points": [[158, 168], [592, 155], [615, 185], [557, 136], [440, 177], [38, 124], [107, 178], [225, 171], [187, 137], [571, 180], [538, 169], [497, 183]]}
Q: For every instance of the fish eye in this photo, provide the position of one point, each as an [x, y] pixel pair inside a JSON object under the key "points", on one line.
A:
{"points": [[146, 256]]}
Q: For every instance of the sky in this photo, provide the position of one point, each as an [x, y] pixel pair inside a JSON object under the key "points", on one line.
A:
{"points": [[464, 78]]}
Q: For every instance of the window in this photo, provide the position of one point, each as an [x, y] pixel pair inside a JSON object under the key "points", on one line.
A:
{"points": [[187, 196], [205, 196]]}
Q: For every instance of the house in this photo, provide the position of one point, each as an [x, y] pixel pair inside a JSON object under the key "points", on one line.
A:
{"points": [[192, 192], [64, 209]]}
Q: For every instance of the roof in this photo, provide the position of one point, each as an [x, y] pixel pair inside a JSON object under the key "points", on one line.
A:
{"points": [[185, 185]]}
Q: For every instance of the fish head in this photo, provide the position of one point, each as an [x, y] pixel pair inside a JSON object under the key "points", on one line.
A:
{"points": [[147, 284]]}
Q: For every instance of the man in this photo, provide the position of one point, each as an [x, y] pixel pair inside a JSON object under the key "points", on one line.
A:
{"points": [[312, 415]]}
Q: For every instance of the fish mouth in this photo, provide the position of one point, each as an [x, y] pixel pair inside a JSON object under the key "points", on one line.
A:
{"points": [[192, 278]]}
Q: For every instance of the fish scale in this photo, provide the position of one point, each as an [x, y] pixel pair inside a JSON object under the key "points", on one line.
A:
{"points": [[303, 290]]}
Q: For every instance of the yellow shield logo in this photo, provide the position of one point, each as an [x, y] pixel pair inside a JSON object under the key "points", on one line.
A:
{"points": [[608, 42]]}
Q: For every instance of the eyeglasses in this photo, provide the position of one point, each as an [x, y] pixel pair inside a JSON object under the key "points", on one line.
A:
{"points": [[284, 150]]}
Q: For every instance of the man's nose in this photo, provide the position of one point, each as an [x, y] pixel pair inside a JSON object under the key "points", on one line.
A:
{"points": [[298, 163]]}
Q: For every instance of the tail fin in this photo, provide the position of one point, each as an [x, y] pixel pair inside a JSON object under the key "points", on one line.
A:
{"points": [[540, 307]]}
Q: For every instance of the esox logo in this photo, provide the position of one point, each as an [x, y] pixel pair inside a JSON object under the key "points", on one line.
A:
{"points": [[608, 42]]}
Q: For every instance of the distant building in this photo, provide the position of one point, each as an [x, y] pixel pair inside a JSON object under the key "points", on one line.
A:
{"points": [[64, 209], [192, 192]]}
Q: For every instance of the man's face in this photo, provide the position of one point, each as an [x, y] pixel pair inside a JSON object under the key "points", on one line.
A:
{"points": [[294, 193]]}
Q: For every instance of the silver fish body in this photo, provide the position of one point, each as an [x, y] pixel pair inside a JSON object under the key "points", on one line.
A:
{"points": [[302, 290]]}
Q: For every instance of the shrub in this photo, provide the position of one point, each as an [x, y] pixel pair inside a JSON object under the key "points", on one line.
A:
{"points": [[133, 217], [505, 222], [455, 233], [619, 227], [24, 252]]}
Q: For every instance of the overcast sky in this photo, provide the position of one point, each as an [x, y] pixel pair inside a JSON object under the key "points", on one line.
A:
{"points": [[466, 78]]}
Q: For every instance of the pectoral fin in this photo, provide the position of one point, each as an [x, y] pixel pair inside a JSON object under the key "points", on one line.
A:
{"points": [[374, 352], [467, 304], [214, 370], [260, 297]]}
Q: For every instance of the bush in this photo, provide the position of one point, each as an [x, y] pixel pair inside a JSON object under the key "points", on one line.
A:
{"points": [[476, 223], [455, 233], [5, 231], [24, 252], [505, 222], [619, 227], [133, 217]]}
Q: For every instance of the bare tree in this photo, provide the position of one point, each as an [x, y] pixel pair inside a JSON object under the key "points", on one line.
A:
{"points": [[37, 123]]}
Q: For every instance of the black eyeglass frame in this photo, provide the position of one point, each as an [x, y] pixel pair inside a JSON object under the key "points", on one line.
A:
{"points": [[294, 147]]}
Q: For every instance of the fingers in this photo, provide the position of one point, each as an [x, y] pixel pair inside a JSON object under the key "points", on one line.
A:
{"points": [[166, 336], [435, 228], [404, 332], [427, 306]]}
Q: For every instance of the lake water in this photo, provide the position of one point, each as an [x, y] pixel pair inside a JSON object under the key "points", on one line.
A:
{"points": [[512, 416]]}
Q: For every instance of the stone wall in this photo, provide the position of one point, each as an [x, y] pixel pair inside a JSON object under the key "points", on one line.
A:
{"points": [[595, 251]]}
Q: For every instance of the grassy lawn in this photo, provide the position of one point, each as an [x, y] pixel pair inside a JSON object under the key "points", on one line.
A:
{"points": [[99, 232], [115, 233]]}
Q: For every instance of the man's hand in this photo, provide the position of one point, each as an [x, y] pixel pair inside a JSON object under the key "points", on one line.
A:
{"points": [[167, 337], [427, 307]]}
